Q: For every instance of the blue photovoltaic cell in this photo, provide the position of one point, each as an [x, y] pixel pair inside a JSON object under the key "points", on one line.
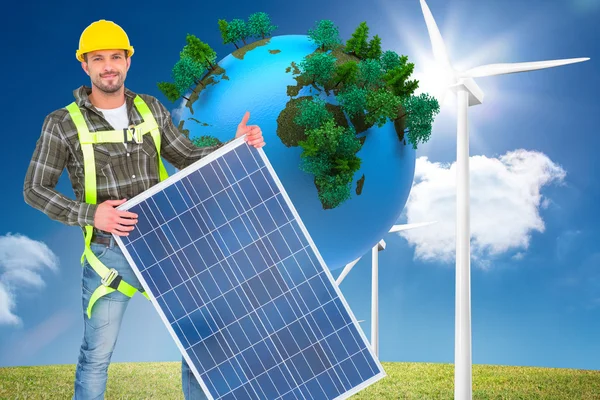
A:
{"points": [[240, 285]]}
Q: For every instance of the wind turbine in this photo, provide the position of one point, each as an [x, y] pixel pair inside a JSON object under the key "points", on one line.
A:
{"points": [[468, 94], [375, 280]]}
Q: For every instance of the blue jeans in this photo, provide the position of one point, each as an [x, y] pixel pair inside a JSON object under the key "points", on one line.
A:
{"points": [[101, 331]]}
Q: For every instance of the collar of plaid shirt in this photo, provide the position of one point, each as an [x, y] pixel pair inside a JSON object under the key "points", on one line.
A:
{"points": [[82, 98]]}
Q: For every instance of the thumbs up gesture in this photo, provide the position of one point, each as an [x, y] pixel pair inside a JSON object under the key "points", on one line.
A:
{"points": [[253, 133]]}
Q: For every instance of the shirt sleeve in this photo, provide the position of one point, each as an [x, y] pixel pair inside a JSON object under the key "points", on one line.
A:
{"points": [[47, 164], [176, 148]]}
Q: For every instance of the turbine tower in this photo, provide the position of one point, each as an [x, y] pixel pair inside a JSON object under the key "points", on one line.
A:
{"points": [[375, 280], [468, 94]]}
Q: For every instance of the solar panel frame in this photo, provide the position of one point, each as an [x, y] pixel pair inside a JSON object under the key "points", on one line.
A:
{"points": [[179, 175]]}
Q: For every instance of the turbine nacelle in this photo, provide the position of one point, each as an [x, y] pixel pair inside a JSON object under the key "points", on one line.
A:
{"points": [[469, 84]]}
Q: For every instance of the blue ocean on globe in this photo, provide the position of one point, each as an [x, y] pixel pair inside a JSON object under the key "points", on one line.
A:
{"points": [[258, 83]]}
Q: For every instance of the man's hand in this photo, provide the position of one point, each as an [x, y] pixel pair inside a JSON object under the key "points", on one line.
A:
{"points": [[253, 133], [109, 219]]}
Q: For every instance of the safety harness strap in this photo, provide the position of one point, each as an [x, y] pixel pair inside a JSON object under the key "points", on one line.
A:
{"points": [[111, 280], [89, 166], [154, 131]]}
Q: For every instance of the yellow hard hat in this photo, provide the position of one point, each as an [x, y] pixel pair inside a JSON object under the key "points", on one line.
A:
{"points": [[103, 35]]}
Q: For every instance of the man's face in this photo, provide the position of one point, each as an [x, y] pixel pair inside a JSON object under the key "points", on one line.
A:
{"points": [[107, 69]]}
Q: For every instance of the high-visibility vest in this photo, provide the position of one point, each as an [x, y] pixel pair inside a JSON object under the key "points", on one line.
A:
{"points": [[111, 280]]}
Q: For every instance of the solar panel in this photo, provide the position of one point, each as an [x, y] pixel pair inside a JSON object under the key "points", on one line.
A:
{"points": [[240, 285]]}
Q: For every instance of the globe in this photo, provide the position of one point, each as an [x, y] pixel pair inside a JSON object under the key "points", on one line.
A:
{"points": [[260, 79]]}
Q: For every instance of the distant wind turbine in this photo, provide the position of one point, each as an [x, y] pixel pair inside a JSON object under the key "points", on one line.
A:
{"points": [[468, 94], [375, 280]]}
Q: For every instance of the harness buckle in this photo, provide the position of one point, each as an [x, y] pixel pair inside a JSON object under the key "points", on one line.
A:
{"points": [[136, 136], [112, 279]]}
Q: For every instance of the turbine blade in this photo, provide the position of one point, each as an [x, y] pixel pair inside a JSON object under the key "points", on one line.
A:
{"points": [[404, 227], [437, 43], [346, 270], [510, 68]]}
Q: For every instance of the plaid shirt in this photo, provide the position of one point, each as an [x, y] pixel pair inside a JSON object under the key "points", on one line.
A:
{"points": [[121, 172]]}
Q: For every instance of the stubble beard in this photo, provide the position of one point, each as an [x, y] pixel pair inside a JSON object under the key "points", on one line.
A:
{"points": [[109, 88]]}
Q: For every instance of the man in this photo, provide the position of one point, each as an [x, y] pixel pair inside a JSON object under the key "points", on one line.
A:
{"points": [[123, 166]]}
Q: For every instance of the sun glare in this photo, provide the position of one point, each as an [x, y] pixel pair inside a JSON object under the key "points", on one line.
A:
{"points": [[412, 39], [434, 80]]}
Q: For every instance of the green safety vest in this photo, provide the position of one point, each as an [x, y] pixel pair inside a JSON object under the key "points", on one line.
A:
{"points": [[111, 280]]}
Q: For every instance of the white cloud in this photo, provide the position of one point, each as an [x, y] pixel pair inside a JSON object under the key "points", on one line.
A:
{"points": [[6, 305], [22, 261], [505, 202], [24, 277], [177, 112]]}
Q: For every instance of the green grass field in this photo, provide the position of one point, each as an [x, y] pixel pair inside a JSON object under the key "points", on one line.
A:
{"points": [[404, 381]]}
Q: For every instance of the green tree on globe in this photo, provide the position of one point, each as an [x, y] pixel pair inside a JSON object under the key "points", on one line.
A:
{"points": [[259, 25], [325, 34], [199, 51]]}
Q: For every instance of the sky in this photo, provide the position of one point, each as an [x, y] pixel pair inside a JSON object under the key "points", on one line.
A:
{"points": [[534, 190]]}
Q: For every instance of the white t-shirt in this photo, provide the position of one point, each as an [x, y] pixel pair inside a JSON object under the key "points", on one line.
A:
{"points": [[117, 117]]}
